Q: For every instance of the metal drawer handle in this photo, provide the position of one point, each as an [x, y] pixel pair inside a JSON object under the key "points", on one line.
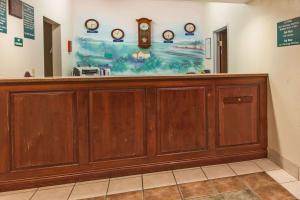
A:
{"points": [[235, 100]]}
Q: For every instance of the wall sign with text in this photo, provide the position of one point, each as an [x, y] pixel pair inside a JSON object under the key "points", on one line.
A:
{"points": [[288, 32], [28, 15], [18, 42], [3, 16]]}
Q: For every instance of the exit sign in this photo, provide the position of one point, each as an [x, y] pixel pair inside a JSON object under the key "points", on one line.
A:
{"points": [[288, 32], [18, 42]]}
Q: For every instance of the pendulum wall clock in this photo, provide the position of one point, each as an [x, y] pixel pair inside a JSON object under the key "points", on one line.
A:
{"points": [[144, 33]]}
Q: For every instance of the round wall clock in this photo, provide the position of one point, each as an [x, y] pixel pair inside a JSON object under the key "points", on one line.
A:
{"points": [[117, 34], [92, 24], [168, 35], [190, 28]]}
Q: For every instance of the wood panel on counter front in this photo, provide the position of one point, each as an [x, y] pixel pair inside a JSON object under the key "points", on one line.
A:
{"points": [[61, 131]]}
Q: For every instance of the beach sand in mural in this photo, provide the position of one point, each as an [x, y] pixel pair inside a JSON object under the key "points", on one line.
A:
{"points": [[128, 59]]}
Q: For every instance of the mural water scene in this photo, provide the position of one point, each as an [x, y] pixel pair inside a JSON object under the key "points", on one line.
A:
{"points": [[128, 59]]}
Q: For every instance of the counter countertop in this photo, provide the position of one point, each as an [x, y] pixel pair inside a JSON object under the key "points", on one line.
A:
{"points": [[126, 78]]}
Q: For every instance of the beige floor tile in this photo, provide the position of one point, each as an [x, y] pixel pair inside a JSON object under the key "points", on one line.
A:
{"points": [[293, 188], [266, 164], [18, 195], [89, 189], [125, 177], [125, 184], [281, 176], [94, 181], [160, 179], [57, 186], [189, 175], [61, 193], [218, 171], [17, 191], [246, 167]]}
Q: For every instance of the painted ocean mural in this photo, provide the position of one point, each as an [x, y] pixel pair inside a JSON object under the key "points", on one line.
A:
{"points": [[128, 59]]}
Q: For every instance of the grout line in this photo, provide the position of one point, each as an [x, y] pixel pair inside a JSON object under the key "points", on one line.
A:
{"points": [[34, 193], [228, 164], [263, 170], [204, 173], [178, 188], [71, 191], [105, 197], [143, 194]]}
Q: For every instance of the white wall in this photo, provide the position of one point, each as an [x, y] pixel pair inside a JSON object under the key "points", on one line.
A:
{"points": [[14, 61], [252, 32], [166, 14]]}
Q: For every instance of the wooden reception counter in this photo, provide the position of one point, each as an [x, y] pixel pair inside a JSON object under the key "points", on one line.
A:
{"points": [[61, 130]]}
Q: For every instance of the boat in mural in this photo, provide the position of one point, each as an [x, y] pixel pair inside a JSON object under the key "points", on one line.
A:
{"points": [[141, 56], [128, 59]]}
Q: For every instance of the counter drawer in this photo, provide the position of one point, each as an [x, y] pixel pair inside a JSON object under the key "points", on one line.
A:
{"points": [[238, 115]]}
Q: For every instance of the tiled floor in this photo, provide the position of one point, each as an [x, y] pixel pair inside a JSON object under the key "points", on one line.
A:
{"points": [[249, 180]]}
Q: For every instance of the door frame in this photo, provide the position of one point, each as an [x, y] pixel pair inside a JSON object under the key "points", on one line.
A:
{"points": [[56, 47], [215, 51]]}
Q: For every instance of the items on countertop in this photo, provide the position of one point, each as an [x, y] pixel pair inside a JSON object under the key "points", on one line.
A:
{"points": [[91, 71]]}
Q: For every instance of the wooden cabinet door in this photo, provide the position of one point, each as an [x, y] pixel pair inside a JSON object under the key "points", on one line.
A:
{"points": [[43, 129], [238, 115], [117, 124], [182, 120]]}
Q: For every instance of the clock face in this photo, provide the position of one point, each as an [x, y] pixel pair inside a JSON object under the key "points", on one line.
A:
{"points": [[118, 34], [92, 24], [144, 26], [190, 28], [168, 35]]}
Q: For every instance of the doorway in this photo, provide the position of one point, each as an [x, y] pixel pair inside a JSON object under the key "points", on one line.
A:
{"points": [[221, 50], [52, 48]]}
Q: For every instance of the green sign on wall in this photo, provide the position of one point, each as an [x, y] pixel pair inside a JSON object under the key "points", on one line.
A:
{"points": [[288, 32], [18, 42], [28, 15], [3, 16]]}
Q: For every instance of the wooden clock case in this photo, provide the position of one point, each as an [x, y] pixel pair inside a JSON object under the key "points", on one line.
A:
{"points": [[142, 33]]}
